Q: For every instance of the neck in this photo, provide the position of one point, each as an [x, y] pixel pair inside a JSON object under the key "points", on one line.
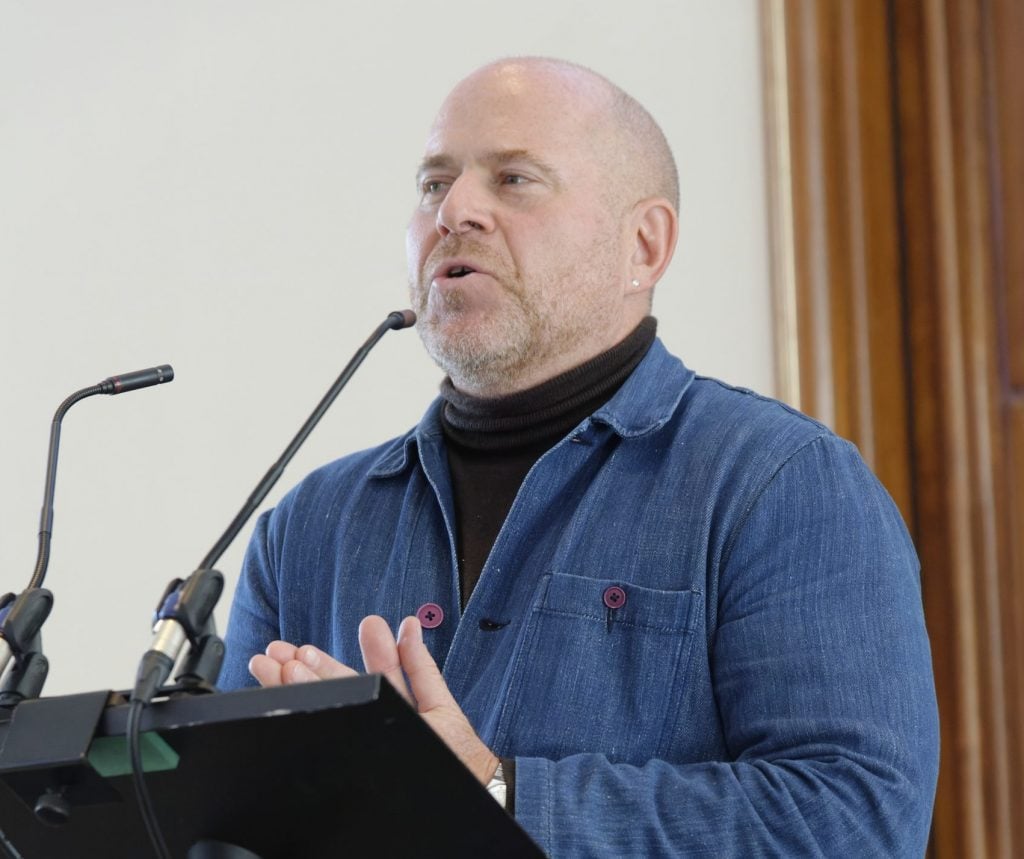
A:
{"points": [[547, 411], [537, 370]]}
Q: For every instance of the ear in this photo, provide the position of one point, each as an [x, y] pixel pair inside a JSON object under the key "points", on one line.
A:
{"points": [[655, 228]]}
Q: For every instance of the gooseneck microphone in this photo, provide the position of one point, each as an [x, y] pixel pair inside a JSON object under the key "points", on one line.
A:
{"points": [[21, 618], [112, 385], [185, 611], [395, 321]]}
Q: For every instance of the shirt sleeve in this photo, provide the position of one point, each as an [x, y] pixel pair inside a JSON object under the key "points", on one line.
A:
{"points": [[823, 683], [253, 622]]}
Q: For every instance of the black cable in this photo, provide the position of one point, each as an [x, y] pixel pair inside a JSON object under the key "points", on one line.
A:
{"points": [[139, 783]]}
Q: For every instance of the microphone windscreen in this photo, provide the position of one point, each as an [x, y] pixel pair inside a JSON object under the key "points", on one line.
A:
{"points": [[402, 319], [138, 379]]}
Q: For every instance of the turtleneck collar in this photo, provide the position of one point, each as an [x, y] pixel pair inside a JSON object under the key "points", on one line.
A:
{"points": [[544, 413]]}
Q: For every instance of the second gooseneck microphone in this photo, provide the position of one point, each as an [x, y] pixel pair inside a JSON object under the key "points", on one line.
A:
{"points": [[21, 618]]}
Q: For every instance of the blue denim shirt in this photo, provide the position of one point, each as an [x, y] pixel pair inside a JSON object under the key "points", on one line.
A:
{"points": [[763, 688]]}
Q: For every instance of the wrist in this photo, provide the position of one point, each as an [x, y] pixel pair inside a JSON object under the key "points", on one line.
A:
{"points": [[488, 768]]}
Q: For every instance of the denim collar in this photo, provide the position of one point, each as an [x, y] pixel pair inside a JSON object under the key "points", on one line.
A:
{"points": [[644, 403]]}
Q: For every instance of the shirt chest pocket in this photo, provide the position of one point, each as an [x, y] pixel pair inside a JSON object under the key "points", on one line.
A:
{"points": [[599, 666]]}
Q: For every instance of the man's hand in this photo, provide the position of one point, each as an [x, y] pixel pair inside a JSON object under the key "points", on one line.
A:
{"points": [[407, 657]]}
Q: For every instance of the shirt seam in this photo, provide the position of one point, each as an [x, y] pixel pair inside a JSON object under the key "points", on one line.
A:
{"points": [[734, 536], [602, 618]]}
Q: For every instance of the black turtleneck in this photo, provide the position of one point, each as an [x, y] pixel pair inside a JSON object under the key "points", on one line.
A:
{"points": [[493, 443]]}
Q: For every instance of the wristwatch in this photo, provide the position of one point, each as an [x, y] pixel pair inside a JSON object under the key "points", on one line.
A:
{"points": [[497, 788]]}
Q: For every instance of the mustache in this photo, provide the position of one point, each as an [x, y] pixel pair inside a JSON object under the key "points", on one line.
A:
{"points": [[454, 245]]}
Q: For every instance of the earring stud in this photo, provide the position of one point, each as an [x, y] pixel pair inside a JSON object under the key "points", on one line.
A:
{"points": [[636, 282]]}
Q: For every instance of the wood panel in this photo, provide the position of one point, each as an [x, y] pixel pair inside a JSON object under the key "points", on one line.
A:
{"points": [[1006, 44], [903, 123], [962, 48], [958, 138], [1004, 38]]}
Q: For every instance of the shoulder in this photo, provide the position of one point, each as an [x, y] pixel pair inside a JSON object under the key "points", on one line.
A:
{"points": [[664, 396], [340, 483], [705, 436], [779, 458], [734, 430], [732, 444], [741, 416]]}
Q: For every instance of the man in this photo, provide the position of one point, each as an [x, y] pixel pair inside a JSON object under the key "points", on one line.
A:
{"points": [[684, 618]]}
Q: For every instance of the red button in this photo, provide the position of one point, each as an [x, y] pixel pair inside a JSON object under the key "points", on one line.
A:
{"points": [[430, 615], [614, 597]]}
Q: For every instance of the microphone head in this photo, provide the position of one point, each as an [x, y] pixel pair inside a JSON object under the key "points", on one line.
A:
{"points": [[138, 379], [402, 319]]}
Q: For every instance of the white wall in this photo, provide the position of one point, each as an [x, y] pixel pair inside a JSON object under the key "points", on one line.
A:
{"points": [[224, 186]]}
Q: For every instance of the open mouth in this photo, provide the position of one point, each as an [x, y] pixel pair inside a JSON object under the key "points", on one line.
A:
{"points": [[460, 271]]}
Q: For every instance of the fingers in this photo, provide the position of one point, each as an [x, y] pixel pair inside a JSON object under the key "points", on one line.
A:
{"points": [[380, 652], [285, 663], [312, 663], [282, 651], [427, 684], [266, 670]]}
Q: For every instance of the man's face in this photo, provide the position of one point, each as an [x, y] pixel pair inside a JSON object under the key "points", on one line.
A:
{"points": [[516, 257]]}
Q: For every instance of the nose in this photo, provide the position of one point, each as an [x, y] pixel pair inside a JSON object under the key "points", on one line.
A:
{"points": [[465, 208]]}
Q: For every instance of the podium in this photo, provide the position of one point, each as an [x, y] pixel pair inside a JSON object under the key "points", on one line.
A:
{"points": [[337, 768]]}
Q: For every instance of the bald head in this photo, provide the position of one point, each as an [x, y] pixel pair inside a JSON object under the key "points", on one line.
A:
{"points": [[614, 126]]}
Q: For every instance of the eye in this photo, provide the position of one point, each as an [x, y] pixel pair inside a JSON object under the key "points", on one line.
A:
{"points": [[514, 179], [433, 187]]}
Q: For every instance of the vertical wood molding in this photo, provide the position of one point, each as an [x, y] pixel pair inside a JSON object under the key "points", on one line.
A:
{"points": [[775, 69], [967, 23], [1006, 77]]}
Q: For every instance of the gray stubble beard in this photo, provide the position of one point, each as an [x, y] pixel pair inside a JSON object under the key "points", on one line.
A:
{"points": [[478, 360]]}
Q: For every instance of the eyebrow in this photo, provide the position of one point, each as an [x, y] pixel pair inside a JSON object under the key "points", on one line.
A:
{"points": [[496, 158]]}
